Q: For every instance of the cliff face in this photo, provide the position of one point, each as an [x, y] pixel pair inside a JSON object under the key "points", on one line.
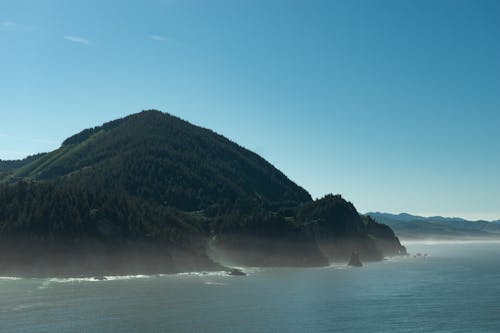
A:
{"points": [[151, 192], [90, 256], [384, 238], [312, 234], [49, 229], [340, 230]]}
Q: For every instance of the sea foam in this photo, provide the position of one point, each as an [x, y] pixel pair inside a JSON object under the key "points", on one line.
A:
{"points": [[9, 278]]}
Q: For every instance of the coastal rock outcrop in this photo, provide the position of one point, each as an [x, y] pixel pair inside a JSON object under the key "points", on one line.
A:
{"points": [[355, 261]]}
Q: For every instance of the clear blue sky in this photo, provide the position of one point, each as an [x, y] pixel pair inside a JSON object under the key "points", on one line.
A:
{"points": [[393, 104]]}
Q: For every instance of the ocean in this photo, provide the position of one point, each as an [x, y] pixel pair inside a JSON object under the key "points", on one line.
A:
{"points": [[455, 288]]}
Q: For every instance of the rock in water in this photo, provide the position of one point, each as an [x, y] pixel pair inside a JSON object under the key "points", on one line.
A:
{"points": [[355, 261], [236, 272]]}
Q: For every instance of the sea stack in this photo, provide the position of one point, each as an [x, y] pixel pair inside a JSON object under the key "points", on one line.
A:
{"points": [[355, 261]]}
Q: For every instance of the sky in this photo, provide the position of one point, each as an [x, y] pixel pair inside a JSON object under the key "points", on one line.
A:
{"points": [[394, 104]]}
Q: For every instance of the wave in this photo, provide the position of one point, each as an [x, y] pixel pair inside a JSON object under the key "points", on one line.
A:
{"points": [[47, 282], [127, 277], [335, 265], [110, 278], [107, 278], [100, 278], [67, 280], [10, 278], [246, 270], [200, 274], [215, 283]]}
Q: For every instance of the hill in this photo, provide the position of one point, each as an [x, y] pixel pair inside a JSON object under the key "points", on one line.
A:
{"points": [[151, 192], [437, 227], [6, 166], [164, 159]]}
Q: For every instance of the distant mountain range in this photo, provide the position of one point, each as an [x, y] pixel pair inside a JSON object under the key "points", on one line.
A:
{"points": [[153, 193], [409, 226]]}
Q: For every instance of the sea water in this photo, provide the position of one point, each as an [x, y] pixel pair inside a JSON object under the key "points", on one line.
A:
{"points": [[455, 288]]}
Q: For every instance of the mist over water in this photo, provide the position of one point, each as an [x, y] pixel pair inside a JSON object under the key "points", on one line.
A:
{"points": [[454, 289]]}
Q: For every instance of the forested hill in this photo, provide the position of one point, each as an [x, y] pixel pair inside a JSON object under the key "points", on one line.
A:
{"points": [[153, 193], [9, 165], [164, 159]]}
